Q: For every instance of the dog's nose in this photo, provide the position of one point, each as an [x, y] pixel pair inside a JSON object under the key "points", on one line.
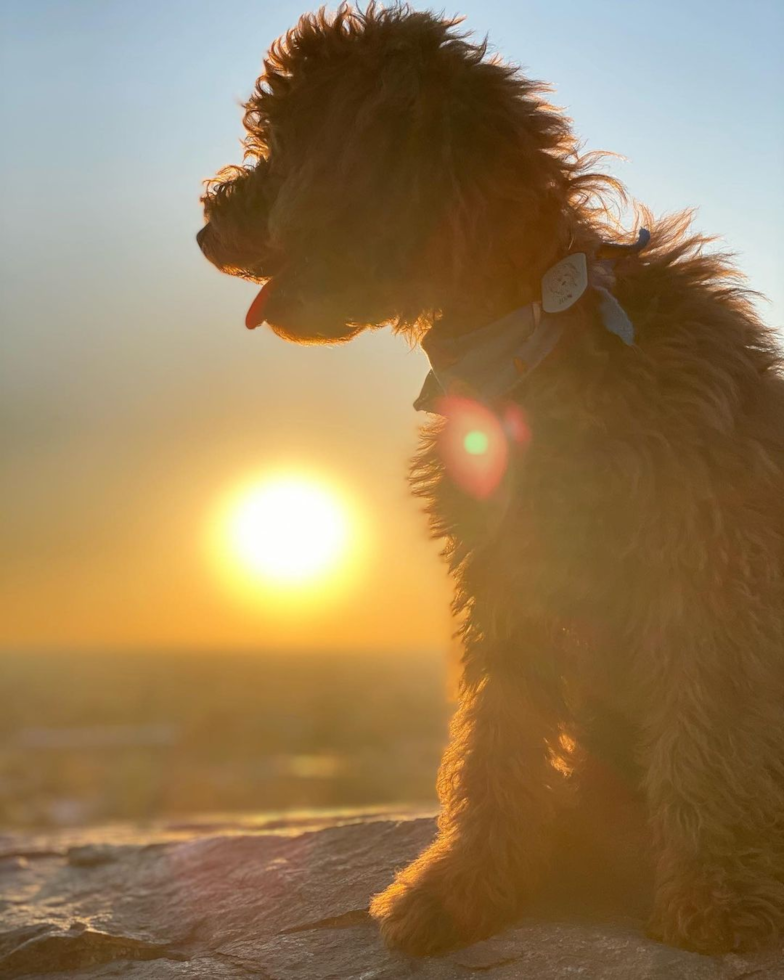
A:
{"points": [[200, 236]]}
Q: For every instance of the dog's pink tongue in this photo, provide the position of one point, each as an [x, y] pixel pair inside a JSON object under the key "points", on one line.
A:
{"points": [[255, 315]]}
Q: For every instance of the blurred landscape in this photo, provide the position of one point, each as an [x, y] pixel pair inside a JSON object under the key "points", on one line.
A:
{"points": [[95, 737]]}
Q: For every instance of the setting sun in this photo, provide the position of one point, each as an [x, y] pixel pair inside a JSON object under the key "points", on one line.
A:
{"points": [[285, 533], [288, 530]]}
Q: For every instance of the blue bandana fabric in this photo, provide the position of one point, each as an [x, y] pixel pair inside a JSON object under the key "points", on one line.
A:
{"points": [[487, 363]]}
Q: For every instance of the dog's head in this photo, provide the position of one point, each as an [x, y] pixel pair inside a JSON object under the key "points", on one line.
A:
{"points": [[387, 164]]}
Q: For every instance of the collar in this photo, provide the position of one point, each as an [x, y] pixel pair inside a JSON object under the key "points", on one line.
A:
{"points": [[486, 364]]}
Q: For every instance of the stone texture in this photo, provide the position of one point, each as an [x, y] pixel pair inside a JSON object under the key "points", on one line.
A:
{"points": [[287, 900]]}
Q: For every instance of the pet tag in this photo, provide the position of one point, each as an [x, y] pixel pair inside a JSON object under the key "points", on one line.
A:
{"points": [[564, 283]]}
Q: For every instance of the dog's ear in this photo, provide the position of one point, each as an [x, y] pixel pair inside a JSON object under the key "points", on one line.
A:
{"points": [[343, 112], [415, 141], [501, 173]]}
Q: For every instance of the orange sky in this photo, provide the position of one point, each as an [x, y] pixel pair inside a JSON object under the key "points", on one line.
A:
{"points": [[108, 542]]}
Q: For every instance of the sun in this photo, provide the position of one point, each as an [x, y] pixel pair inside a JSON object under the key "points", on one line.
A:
{"points": [[287, 530]]}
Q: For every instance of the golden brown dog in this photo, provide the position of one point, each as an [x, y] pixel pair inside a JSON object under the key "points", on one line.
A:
{"points": [[613, 517]]}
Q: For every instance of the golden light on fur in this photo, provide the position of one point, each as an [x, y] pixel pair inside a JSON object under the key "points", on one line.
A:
{"points": [[613, 525]]}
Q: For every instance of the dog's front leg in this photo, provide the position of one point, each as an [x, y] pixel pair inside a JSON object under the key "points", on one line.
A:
{"points": [[499, 792], [715, 782]]}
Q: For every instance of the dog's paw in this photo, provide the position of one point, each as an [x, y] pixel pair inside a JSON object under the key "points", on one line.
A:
{"points": [[442, 901], [416, 920], [719, 920]]}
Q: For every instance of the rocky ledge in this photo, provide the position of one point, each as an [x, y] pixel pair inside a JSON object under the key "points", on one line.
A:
{"points": [[287, 900]]}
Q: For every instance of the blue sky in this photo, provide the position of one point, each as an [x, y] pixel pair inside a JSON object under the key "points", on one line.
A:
{"points": [[130, 390]]}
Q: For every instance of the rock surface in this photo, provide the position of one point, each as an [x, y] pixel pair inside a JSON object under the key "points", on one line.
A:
{"points": [[287, 900]]}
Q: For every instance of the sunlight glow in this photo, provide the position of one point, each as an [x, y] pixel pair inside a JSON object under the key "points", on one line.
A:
{"points": [[288, 530], [287, 539]]}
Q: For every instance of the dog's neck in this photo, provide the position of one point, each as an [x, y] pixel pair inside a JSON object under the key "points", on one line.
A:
{"points": [[511, 283], [489, 360]]}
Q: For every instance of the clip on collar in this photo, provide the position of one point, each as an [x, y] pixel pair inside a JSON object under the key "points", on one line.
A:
{"points": [[487, 363]]}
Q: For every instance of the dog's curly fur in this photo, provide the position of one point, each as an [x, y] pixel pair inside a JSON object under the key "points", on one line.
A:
{"points": [[629, 571]]}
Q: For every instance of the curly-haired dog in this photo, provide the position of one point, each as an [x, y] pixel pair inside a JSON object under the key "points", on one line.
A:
{"points": [[607, 471]]}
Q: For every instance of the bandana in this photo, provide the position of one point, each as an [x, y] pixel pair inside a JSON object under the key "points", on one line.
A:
{"points": [[488, 363]]}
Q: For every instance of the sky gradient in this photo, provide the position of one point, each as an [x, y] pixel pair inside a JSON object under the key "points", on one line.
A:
{"points": [[132, 397]]}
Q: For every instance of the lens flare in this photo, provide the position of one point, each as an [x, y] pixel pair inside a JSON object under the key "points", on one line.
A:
{"points": [[475, 443]]}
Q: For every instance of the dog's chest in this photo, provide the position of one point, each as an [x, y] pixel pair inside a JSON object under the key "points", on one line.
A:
{"points": [[560, 527]]}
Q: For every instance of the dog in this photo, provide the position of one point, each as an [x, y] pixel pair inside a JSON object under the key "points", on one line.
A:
{"points": [[604, 461]]}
